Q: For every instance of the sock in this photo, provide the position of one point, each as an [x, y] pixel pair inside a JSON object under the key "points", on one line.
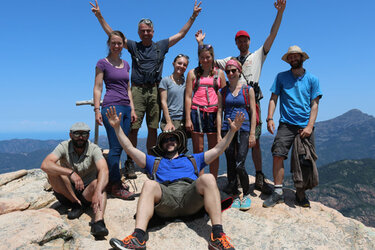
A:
{"points": [[279, 189], [217, 230], [139, 234], [258, 172]]}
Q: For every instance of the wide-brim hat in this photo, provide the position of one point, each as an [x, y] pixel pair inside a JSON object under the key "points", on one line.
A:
{"points": [[157, 150], [293, 50]]}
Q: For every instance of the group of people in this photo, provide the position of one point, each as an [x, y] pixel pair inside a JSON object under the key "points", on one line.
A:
{"points": [[228, 112]]}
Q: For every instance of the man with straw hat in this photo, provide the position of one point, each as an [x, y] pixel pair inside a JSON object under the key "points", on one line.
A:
{"points": [[299, 94]]}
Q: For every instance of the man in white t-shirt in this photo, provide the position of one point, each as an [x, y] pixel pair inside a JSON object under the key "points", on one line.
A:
{"points": [[251, 68]]}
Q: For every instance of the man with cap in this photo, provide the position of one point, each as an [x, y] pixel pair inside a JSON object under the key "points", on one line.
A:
{"points": [[78, 174], [147, 66], [299, 94], [251, 68], [176, 190]]}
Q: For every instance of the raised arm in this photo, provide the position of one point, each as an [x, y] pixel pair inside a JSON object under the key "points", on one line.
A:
{"points": [[181, 34], [280, 6], [306, 132], [271, 110], [137, 155], [213, 153]]}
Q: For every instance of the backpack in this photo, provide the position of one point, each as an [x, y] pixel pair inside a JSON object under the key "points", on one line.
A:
{"points": [[157, 162], [215, 86], [245, 93]]}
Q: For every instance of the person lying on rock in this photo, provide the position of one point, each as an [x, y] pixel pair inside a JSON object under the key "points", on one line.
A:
{"points": [[80, 177], [176, 189]]}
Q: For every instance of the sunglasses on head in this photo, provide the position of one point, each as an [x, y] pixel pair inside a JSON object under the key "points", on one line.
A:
{"points": [[169, 139], [230, 71], [145, 21], [204, 46], [182, 55], [77, 134]]}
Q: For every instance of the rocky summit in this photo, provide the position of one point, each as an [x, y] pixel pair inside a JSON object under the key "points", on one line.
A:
{"points": [[31, 218]]}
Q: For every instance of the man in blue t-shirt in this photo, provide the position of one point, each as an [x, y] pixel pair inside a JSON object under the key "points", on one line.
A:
{"points": [[176, 190], [299, 94], [147, 66]]}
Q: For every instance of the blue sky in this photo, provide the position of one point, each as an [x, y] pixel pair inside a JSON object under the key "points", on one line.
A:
{"points": [[50, 48]]}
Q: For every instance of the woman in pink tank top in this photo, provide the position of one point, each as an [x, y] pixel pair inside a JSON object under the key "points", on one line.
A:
{"points": [[201, 102]]}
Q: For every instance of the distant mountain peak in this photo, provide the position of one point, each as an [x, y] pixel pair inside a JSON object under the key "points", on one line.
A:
{"points": [[349, 118]]}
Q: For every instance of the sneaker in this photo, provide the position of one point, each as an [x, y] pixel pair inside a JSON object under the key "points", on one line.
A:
{"points": [[303, 202], [245, 203], [220, 243], [236, 203], [261, 184], [129, 171], [118, 190], [98, 229], [274, 199], [76, 211], [130, 242]]}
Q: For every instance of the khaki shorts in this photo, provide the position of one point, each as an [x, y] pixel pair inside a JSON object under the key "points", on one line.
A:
{"points": [[179, 198], [146, 101], [178, 124]]}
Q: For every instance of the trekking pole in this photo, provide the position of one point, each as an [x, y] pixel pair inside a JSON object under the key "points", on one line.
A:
{"points": [[91, 103]]}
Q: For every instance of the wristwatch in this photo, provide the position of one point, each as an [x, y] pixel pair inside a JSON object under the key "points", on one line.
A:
{"points": [[269, 119]]}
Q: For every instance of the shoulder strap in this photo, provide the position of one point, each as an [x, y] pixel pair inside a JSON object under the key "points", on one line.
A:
{"points": [[155, 168], [216, 76], [192, 159], [223, 96], [246, 96]]}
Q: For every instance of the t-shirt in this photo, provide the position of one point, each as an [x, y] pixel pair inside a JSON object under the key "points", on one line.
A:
{"points": [[83, 165], [145, 64], [177, 168], [175, 97], [116, 83], [296, 95], [234, 104], [251, 68]]}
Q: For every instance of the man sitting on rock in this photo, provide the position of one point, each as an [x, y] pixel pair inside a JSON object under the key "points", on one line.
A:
{"points": [[80, 178], [176, 189]]}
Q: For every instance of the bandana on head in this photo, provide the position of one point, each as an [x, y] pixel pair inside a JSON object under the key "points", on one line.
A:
{"points": [[234, 63]]}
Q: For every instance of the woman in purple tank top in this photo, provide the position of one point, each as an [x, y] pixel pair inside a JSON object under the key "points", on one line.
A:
{"points": [[115, 73]]}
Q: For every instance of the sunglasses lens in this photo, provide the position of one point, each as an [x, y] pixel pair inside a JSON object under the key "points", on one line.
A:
{"points": [[230, 71], [77, 134]]}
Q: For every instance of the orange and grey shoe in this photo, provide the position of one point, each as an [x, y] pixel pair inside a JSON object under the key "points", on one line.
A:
{"points": [[220, 243], [130, 242], [119, 190]]}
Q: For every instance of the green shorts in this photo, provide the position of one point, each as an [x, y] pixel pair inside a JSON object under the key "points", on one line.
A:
{"points": [[178, 124], [146, 101], [179, 198]]}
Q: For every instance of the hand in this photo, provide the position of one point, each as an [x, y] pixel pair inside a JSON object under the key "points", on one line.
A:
{"points": [[270, 126], [133, 116], [238, 120], [113, 119], [306, 132], [199, 36], [96, 202], [280, 5], [252, 141], [169, 127], [197, 9], [99, 118], [189, 126], [78, 183], [95, 9]]}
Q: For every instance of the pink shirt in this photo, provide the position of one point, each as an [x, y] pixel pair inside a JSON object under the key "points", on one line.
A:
{"points": [[200, 96]]}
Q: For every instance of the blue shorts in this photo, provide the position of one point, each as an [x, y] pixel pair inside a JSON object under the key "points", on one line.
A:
{"points": [[208, 121]]}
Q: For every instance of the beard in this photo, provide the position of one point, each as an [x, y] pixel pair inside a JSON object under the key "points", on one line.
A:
{"points": [[297, 64], [79, 143]]}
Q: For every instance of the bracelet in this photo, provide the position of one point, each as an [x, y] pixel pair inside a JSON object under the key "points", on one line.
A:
{"points": [[96, 109], [269, 119], [71, 174]]}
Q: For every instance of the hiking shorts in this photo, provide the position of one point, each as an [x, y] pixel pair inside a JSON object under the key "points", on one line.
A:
{"points": [[284, 139], [179, 198], [66, 202], [208, 121], [146, 101], [258, 128]]}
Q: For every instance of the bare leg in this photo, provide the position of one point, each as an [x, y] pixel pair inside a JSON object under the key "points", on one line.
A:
{"points": [[89, 192], [150, 195], [62, 185], [278, 170], [206, 186], [212, 141], [256, 154], [198, 144], [151, 138]]}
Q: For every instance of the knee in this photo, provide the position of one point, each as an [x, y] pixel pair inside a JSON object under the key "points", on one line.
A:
{"points": [[208, 180], [150, 186]]}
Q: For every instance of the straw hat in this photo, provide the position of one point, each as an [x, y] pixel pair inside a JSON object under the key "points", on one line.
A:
{"points": [[292, 50], [157, 150]]}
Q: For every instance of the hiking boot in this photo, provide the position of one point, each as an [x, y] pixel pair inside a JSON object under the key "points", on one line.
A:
{"points": [[98, 229], [119, 190], [236, 203], [130, 242], [274, 199], [220, 243], [261, 184], [303, 202], [129, 171], [76, 211], [245, 203]]}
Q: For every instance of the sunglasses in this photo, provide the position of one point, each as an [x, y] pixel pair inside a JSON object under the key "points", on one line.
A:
{"points": [[169, 139], [182, 55], [204, 46], [145, 21], [230, 71], [77, 134]]}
